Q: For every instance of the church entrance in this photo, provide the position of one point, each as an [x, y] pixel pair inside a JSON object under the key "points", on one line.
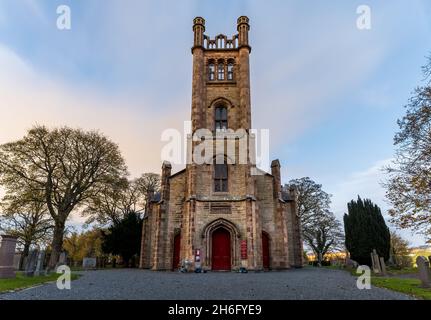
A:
{"points": [[221, 250], [265, 250], [177, 246]]}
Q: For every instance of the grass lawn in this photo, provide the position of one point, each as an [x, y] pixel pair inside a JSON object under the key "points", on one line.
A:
{"points": [[21, 281], [408, 286], [402, 271], [403, 285]]}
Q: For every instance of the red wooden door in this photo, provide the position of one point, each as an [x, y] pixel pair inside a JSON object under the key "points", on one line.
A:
{"points": [[265, 250], [221, 250], [177, 246]]}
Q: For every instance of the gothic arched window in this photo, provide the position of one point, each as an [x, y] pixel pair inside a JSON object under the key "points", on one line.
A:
{"points": [[220, 118], [220, 71], [230, 71], [220, 176], [211, 72]]}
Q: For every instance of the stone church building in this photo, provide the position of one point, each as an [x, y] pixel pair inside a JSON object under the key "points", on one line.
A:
{"points": [[221, 214]]}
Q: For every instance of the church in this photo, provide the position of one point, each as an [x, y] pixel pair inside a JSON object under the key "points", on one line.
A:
{"points": [[222, 214]]}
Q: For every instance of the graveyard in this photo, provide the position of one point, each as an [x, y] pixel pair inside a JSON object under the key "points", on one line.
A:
{"points": [[337, 281]]}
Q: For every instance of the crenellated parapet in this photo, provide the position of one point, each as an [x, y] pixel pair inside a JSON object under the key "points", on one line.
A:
{"points": [[221, 41]]}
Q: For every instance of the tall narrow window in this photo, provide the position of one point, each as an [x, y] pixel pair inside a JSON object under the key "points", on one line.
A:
{"points": [[220, 118], [230, 71], [220, 177], [220, 71], [211, 72]]}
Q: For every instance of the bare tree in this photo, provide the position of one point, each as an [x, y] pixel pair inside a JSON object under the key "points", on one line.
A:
{"points": [[26, 216], [121, 197], [324, 235], [69, 166], [409, 185], [110, 204], [148, 184], [312, 201]]}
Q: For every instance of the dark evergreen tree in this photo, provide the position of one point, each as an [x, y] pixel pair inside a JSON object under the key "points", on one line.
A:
{"points": [[124, 238], [365, 230]]}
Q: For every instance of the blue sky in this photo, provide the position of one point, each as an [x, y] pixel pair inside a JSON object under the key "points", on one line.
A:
{"points": [[329, 93]]}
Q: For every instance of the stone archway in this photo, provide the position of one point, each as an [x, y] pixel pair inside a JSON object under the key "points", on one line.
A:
{"points": [[222, 230]]}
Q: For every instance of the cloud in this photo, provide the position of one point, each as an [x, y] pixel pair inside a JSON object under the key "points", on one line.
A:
{"points": [[29, 97], [367, 184], [304, 85]]}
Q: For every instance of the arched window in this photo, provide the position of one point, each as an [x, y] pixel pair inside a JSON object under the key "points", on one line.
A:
{"points": [[211, 72], [220, 118], [220, 176], [230, 71], [220, 71]]}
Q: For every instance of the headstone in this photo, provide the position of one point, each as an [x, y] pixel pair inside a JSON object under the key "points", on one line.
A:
{"points": [[62, 260], [39, 264], [424, 271], [351, 263], [17, 260], [383, 266], [89, 263], [7, 252], [375, 262], [30, 266]]}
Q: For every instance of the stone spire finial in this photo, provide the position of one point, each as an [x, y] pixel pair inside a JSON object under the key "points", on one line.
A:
{"points": [[243, 28], [198, 29]]}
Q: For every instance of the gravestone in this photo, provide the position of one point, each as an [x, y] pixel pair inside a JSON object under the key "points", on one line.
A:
{"points": [[351, 263], [89, 263], [40, 263], [62, 260], [383, 266], [375, 262], [17, 260], [30, 267], [7, 252], [424, 271]]}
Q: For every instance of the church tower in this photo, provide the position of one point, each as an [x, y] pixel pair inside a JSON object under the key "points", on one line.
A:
{"points": [[221, 212]]}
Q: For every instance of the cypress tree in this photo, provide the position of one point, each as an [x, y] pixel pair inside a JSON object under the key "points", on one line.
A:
{"points": [[365, 229]]}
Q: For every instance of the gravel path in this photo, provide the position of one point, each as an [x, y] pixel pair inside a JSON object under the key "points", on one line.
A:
{"points": [[307, 283]]}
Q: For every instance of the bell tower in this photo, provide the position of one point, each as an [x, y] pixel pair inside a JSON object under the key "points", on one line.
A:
{"points": [[223, 186], [221, 212], [221, 73]]}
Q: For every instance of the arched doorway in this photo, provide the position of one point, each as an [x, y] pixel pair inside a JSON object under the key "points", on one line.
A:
{"points": [[265, 250], [177, 247], [221, 250]]}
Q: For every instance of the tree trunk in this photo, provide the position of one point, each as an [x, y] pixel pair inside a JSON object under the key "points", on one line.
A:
{"points": [[24, 254], [57, 244], [319, 258]]}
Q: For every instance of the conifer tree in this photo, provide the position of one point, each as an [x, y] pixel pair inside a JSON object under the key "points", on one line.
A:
{"points": [[365, 229]]}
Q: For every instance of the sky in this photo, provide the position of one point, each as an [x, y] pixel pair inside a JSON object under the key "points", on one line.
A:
{"points": [[329, 93]]}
